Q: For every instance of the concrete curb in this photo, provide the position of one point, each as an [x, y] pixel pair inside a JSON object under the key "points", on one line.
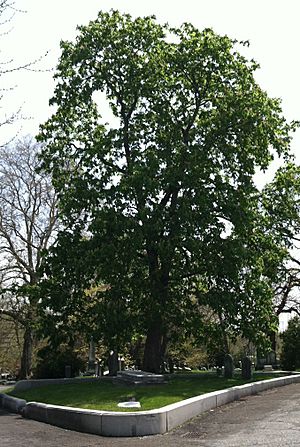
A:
{"points": [[12, 404], [142, 423]]}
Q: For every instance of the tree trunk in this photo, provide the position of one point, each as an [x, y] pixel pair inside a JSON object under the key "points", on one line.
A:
{"points": [[153, 353], [224, 334], [26, 359], [155, 346]]}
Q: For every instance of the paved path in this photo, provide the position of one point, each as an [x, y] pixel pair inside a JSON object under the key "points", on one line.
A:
{"points": [[3, 388], [269, 419]]}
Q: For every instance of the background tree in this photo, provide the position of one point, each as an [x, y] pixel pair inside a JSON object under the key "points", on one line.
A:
{"points": [[281, 218], [166, 193], [290, 357], [6, 14], [28, 222], [10, 346], [8, 67]]}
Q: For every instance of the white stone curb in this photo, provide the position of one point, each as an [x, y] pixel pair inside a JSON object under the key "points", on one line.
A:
{"points": [[12, 404], [141, 423]]}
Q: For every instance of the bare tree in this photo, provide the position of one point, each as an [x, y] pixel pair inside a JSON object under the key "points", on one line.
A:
{"points": [[8, 66], [28, 224], [287, 291], [10, 345]]}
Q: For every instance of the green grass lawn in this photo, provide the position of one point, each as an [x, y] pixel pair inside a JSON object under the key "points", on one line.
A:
{"points": [[104, 395]]}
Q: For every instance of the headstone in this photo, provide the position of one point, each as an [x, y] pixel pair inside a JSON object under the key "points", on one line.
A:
{"points": [[113, 363], [271, 358], [260, 362], [68, 371], [98, 371], [246, 368], [92, 357], [121, 361], [171, 365], [228, 366], [219, 371]]}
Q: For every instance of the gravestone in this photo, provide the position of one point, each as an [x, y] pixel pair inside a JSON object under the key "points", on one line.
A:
{"points": [[271, 358], [113, 363], [98, 368], [228, 366], [171, 365], [68, 371], [121, 361], [246, 368]]}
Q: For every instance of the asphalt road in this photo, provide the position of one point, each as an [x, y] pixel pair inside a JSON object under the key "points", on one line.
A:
{"points": [[270, 419]]}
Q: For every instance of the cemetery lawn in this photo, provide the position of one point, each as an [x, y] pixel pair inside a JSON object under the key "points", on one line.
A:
{"points": [[104, 395]]}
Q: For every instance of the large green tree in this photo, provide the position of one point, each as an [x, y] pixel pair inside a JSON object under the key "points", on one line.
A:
{"points": [[164, 194]]}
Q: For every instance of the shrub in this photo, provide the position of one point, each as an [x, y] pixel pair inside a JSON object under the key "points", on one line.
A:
{"points": [[51, 362]]}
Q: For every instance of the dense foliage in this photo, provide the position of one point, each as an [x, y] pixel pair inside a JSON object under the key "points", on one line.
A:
{"points": [[290, 357], [164, 219], [51, 363]]}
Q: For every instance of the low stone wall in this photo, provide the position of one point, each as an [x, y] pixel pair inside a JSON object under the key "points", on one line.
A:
{"points": [[141, 423], [23, 385]]}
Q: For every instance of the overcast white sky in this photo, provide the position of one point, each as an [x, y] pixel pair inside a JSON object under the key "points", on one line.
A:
{"points": [[272, 26]]}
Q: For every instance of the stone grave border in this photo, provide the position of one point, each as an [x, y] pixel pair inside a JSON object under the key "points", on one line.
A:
{"points": [[141, 423]]}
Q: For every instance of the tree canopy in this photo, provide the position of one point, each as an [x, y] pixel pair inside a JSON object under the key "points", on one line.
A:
{"points": [[162, 197]]}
